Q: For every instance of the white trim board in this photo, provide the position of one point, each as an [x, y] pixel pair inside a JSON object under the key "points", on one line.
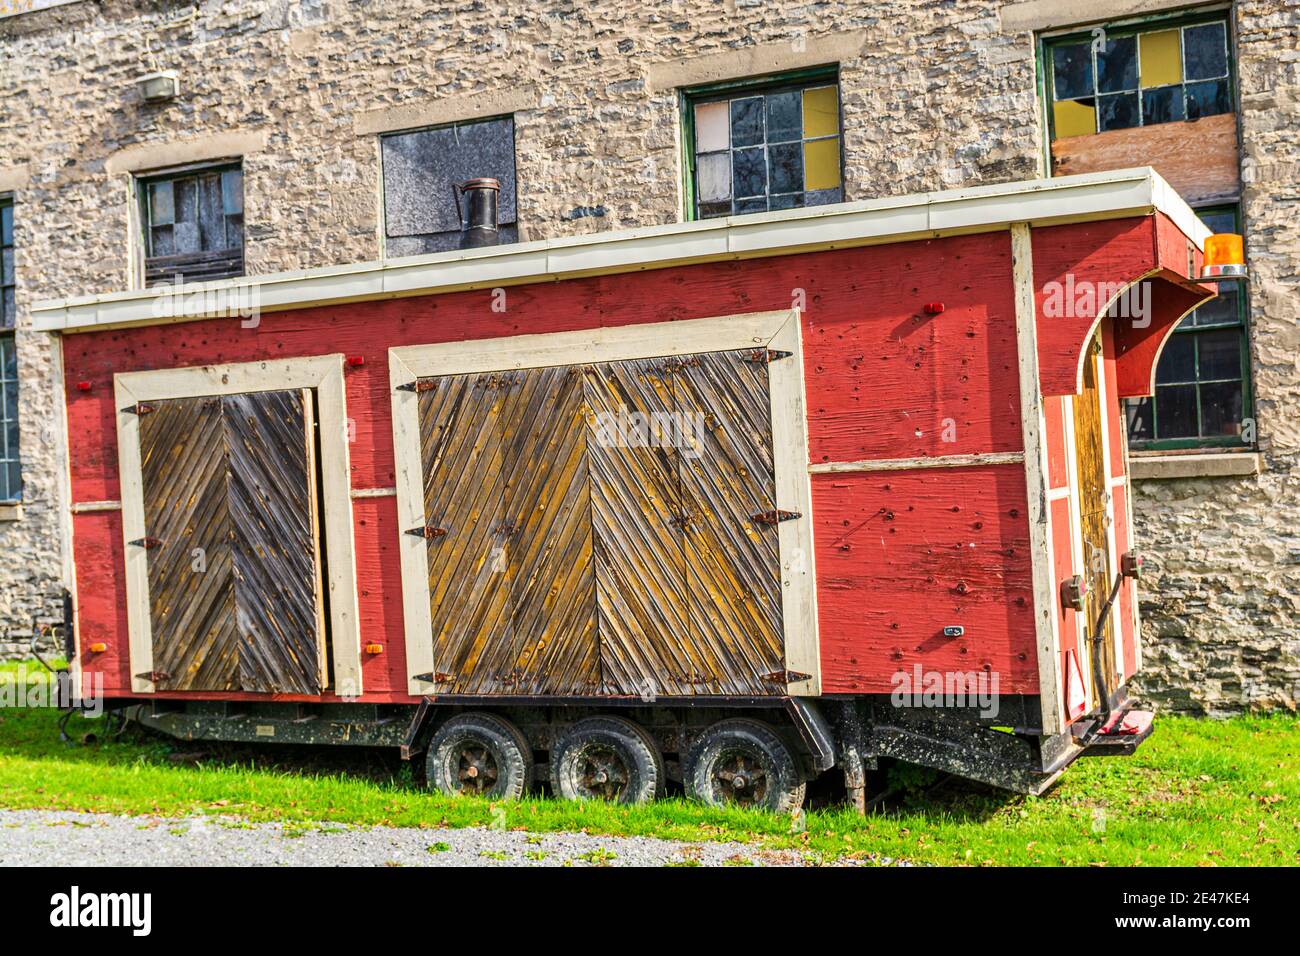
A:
{"points": [[777, 330], [324, 373], [1087, 197]]}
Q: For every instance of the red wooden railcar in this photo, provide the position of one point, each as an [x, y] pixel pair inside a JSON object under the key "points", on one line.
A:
{"points": [[732, 502]]}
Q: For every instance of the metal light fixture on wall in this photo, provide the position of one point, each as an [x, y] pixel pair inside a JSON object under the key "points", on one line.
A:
{"points": [[156, 87]]}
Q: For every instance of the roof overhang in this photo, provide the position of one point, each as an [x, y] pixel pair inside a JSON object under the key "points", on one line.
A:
{"points": [[1088, 197]]}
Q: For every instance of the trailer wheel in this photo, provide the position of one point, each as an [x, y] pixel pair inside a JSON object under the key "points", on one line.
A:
{"points": [[481, 755], [744, 763], [607, 758]]}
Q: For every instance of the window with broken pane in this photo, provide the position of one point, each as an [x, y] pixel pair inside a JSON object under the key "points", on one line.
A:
{"points": [[421, 169], [193, 224], [1202, 394], [1117, 78], [758, 148]]}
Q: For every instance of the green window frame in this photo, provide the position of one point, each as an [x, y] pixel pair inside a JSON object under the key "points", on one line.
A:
{"points": [[11, 485], [1099, 71], [192, 223], [1203, 394], [769, 160]]}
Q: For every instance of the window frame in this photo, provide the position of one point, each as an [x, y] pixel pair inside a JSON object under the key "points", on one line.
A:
{"points": [[141, 183], [1247, 390], [689, 97], [1150, 23], [9, 341]]}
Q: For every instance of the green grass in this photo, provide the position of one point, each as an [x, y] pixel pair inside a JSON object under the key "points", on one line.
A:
{"points": [[1199, 792]]}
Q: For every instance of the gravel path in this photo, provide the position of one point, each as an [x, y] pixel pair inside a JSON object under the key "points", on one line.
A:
{"points": [[44, 837]]}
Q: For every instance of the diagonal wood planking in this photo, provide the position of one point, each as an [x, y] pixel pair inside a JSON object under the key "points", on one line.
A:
{"points": [[191, 593], [271, 493], [234, 583]]}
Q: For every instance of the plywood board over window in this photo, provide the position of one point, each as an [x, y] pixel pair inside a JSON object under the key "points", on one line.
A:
{"points": [[595, 513], [219, 469]]}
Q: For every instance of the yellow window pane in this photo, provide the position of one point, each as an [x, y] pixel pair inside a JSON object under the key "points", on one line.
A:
{"points": [[821, 112], [1072, 118], [1160, 58], [821, 163]]}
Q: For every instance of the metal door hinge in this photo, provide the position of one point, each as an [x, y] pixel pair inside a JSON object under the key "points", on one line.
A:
{"points": [[766, 356], [146, 543], [785, 677], [428, 531], [419, 385], [140, 408], [775, 517], [154, 676], [435, 677]]}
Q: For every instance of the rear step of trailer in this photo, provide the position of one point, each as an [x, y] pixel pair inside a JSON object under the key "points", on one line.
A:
{"points": [[1119, 736]]}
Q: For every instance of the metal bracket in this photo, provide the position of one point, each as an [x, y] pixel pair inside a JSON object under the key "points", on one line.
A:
{"points": [[140, 408], [435, 677], [154, 676], [428, 531], [146, 543], [419, 385], [775, 517], [766, 356]]}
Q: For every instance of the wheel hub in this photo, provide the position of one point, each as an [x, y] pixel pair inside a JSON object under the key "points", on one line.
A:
{"points": [[602, 774], [476, 768], [740, 777]]}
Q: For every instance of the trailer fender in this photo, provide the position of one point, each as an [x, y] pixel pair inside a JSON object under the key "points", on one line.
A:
{"points": [[417, 733], [814, 730]]}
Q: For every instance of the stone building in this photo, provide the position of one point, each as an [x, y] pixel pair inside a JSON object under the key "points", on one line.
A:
{"points": [[142, 139]]}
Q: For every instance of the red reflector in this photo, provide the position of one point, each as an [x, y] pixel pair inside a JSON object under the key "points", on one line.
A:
{"points": [[83, 386], [934, 308], [356, 361]]}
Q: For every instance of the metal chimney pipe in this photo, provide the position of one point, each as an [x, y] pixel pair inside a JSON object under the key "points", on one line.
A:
{"points": [[479, 222]]}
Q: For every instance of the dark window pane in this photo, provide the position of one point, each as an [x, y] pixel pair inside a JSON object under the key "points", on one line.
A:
{"points": [[1138, 413], [822, 197], [8, 358], [789, 201], [161, 206], [1072, 71], [7, 309], [1219, 221], [6, 225], [747, 122], [1219, 310], [1219, 354], [1163, 105], [1221, 409], [1177, 361], [748, 173], [6, 266], [711, 210], [1205, 52], [786, 164], [1118, 111], [1207, 99], [785, 116], [751, 205], [15, 482], [1117, 65], [212, 217], [1176, 408]]}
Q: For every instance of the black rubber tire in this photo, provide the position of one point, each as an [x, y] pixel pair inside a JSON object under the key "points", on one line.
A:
{"points": [[613, 746], [752, 752], [478, 754]]}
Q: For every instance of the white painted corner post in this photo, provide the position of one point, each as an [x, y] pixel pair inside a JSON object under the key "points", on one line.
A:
{"points": [[1033, 428]]}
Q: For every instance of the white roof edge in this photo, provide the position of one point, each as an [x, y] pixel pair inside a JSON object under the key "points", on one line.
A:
{"points": [[1090, 196]]}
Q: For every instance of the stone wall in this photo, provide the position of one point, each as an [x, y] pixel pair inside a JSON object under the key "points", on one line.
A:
{"points": [[936, 94]]}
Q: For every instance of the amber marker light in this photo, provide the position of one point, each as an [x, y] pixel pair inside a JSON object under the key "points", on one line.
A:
{"points": [[1225, 257]]}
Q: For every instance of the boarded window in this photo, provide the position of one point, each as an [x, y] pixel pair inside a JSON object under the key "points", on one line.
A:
{"points": [[599, 529], [193, 225], [229, 487], [1202, 392], [774, 145], [421, 170]]}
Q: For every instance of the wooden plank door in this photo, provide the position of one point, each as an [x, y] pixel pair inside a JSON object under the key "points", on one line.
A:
{"points": [[231, 526], [1094, 497], [728, 477]]}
